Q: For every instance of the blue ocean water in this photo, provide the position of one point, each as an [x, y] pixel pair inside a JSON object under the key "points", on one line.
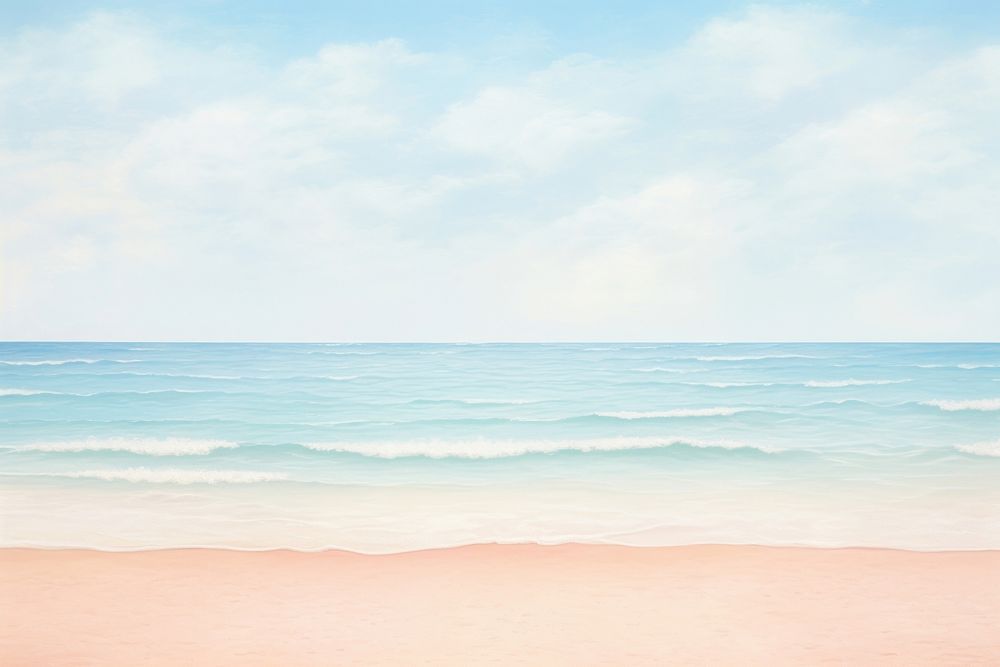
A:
{"points": [[391, 447]]}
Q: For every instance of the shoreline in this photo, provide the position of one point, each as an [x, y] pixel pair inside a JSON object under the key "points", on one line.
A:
{"points": [[490, 545], [500, 604]]}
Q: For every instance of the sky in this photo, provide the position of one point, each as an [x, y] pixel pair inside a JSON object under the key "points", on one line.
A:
{"points": [[499, 171]]}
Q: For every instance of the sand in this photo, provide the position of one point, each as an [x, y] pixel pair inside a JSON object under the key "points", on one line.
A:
{"points": [[502, 605]]}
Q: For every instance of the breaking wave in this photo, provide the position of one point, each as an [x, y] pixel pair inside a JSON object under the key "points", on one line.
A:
{"points": [[150, 446], [23, 392], [60, 362], [981, 448], [849, 383], [981, 404], [493, 449], [679, 412], [758, 357], [168, 476]]}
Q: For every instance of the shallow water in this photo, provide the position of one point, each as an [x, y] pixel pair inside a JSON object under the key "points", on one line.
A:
{"points": [[379, 448]]}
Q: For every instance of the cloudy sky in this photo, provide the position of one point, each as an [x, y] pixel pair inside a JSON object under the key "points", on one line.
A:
{"points": [[245, 171]]}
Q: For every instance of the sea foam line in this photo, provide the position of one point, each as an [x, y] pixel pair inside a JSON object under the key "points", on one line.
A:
{"points": [[666, 369], [678, 412], [497, 401], [166, 476], [726, 385], [981, 448], [849, 383], [981, 404], [492, 449], [60, 362], [758, 357], [116, 392], [150, 446], [965, 366]]}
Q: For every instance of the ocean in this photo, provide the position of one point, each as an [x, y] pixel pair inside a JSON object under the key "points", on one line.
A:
{"points": [[381, 448]]}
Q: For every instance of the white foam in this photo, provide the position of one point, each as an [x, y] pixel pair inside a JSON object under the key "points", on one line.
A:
{"points": [[678, 412], [491, 449], [850, 383], [758, 357], [496, 401], [32, 392], [981, 448], [661, 369], [150, 446], [174, 476], [724, 385], [970, 367], [179, 375], [982, 404], [60, 362]]}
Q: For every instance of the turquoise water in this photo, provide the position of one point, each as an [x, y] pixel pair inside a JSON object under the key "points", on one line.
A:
{"points": [[382, 448]]}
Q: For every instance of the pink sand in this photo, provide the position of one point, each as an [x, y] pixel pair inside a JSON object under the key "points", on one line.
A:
{"points": [[514, 604]]}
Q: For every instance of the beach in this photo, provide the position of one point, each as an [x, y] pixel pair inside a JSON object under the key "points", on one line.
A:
{"points": [[501, 604]]}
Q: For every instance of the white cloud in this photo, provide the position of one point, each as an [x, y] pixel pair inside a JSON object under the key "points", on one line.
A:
{"points": [[763, 179], [766, 52], [526, 127]]}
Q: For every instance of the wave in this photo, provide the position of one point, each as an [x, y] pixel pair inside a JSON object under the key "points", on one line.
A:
{"points": [[154, 391], [117, 392], [167, 476], [185, 375], [678, 412], [726, 385], [205, 376], [849, 383], [23, 392], [981, 448], [981, 404], [60, 362], [758, 357], [854, 401], [966, 366], [494, 449], [150, 446], [495, 401], [473, 401], [663, 369]]}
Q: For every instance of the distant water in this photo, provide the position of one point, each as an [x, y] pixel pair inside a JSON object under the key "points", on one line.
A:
{"points": [[383, 448]]}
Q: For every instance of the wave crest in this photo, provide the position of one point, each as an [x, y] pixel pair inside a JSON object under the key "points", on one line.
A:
{"points": [[149, 446], [981, 404], [60, 362], [758, 357], [981, 448], [679, 412], [23, 392], [173, 476], [849, 383], [726, 385], [493, 449]]}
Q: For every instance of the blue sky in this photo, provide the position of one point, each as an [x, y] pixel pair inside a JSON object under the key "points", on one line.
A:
{"points": [[499, 171]]}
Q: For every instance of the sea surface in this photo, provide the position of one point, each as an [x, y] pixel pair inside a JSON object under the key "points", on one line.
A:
{"points": [[391, 447]]}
